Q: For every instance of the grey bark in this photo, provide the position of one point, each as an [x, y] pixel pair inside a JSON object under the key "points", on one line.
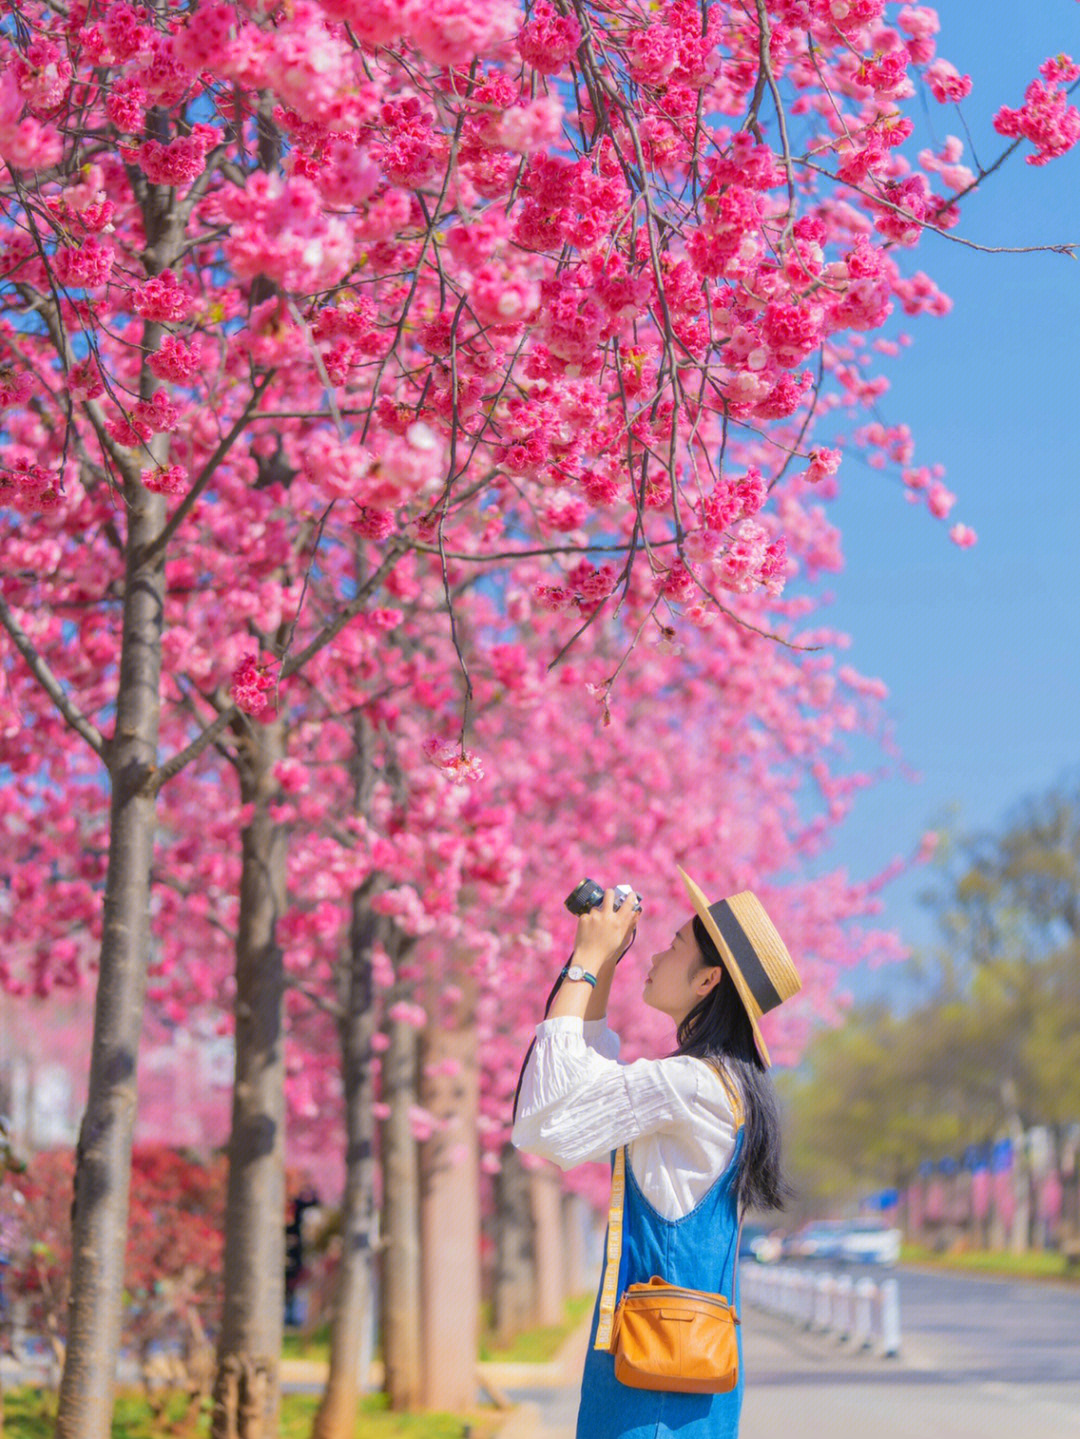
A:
{"points": [[401, 1223], [514, 1290], [249, 1344], [547, 1220], [576, 1276], [103, 1156], [450, 1220], [354, 1286]]}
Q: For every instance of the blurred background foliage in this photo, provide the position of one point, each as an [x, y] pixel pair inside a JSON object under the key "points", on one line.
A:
{"points": [[987, 1042]]}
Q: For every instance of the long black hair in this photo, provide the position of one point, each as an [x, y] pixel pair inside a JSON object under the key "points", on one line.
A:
{"points": [[718, 1029]]}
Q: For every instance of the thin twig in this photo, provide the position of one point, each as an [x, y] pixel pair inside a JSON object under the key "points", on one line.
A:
{"points": [[764, 36]]}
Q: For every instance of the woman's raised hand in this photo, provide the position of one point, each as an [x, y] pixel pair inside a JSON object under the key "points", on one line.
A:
{"points": [[604, 933]]}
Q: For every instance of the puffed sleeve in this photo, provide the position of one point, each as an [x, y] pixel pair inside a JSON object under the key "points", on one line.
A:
{"points": [[597, 1036], [577, 1105]]}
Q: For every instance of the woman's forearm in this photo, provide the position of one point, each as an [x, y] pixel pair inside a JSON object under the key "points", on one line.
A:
{"points": [[579, 998], [603, 935], [598, 997]]}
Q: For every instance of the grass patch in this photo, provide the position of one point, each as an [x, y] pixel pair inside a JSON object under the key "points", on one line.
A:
{"points": [[30, 1413], [535, 1346], [532, 1346], [376, 1421], [1039, 1264], [315, 1345]]}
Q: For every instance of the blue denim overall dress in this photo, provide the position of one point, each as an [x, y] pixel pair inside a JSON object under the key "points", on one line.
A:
{"points": [[697, 1251]]}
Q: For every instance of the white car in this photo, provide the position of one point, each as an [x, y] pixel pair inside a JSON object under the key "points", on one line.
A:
{"points": [[869, 1241]]}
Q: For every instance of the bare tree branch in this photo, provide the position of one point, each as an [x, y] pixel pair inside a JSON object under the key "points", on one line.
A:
{"points": [[39, 668], [192, 751], [184, 508]]}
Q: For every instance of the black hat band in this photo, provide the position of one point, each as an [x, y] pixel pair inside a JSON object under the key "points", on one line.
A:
{"points": [[745, 956]]}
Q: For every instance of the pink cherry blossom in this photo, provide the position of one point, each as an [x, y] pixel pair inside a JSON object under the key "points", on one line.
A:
{"points": [[15, 387], [548, 40], [176, 361], [940, 501], [162, 298], [1046, 118], [252, 681], [823, 463], [166, 479], [179, 162], [946, 82]]}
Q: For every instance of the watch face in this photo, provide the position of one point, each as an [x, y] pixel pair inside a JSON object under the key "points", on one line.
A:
{"points": [[575, 972]]}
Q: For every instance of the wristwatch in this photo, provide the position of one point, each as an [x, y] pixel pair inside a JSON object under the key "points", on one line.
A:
{"points": [[575, 971]]}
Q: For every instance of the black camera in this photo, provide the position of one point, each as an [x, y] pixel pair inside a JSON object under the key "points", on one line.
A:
{"points": [[589, 894]]}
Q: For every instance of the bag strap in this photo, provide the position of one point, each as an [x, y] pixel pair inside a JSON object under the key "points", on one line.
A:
{"points": [[606, 1320], [735, 1100], [732, 1093], [614, 1252]]}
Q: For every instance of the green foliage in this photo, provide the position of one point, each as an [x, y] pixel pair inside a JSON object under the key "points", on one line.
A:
{"points": [[1035, 1264], [995, 1047], [30, 1413], [315, 1345]]}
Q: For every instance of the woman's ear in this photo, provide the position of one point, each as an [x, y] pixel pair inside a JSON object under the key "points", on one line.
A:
{"points": [[709, 979]]}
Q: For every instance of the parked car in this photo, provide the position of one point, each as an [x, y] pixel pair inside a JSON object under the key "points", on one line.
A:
{"points": [[870, 1241], [750, 1235], [760, 1242], [819, 1239]]}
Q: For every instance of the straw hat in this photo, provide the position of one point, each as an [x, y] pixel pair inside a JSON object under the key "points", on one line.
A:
{"points": [[753, 953]]}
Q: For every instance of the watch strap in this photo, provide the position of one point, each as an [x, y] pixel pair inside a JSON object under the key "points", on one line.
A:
{"points": [[585, 975]]}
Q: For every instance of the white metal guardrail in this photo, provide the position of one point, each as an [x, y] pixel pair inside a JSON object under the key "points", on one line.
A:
{"points": [[864, 1313]]}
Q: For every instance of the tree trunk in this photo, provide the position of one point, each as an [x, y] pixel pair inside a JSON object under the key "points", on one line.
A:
{"points": [[547, 1218], [514, 1294], [103, 1156], [1017, 1238], [354, 1287], [249, 1345], [401, 1223], [576, 1278], [450, 1220]]}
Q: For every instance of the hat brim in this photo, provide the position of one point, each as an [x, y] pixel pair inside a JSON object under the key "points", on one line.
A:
{"points": [[731, 964]]}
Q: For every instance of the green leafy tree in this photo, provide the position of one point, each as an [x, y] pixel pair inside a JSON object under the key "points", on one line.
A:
{"points": [[995, 1046]]}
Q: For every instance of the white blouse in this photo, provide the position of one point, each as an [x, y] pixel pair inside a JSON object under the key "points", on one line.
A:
{"points": [[578, 1103]]}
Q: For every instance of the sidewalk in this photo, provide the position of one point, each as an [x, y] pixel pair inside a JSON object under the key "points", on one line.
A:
{"points": [[810, 1386], [545, 1396]]}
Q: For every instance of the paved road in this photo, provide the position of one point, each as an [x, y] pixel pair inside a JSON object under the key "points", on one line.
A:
{"points": [[995, 1329], [981, 1358], [971, 1373]]}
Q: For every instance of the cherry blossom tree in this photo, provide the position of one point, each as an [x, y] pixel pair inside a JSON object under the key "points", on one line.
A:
{"points": [[314, 311], [463, 869]]}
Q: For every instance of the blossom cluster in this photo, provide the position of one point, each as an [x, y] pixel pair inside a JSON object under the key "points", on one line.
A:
{"points": [[1046, 118], [563, 302], [28, 487], [253, 683]]}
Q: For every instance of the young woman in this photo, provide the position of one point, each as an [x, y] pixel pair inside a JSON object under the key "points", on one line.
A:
{"points": [[700, 1126]]}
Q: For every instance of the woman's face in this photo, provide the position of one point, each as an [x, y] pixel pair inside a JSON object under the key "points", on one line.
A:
{"points": [[679, 976]]}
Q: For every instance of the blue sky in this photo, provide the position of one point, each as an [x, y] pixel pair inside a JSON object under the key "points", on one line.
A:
{"points": [[979, 647]]}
